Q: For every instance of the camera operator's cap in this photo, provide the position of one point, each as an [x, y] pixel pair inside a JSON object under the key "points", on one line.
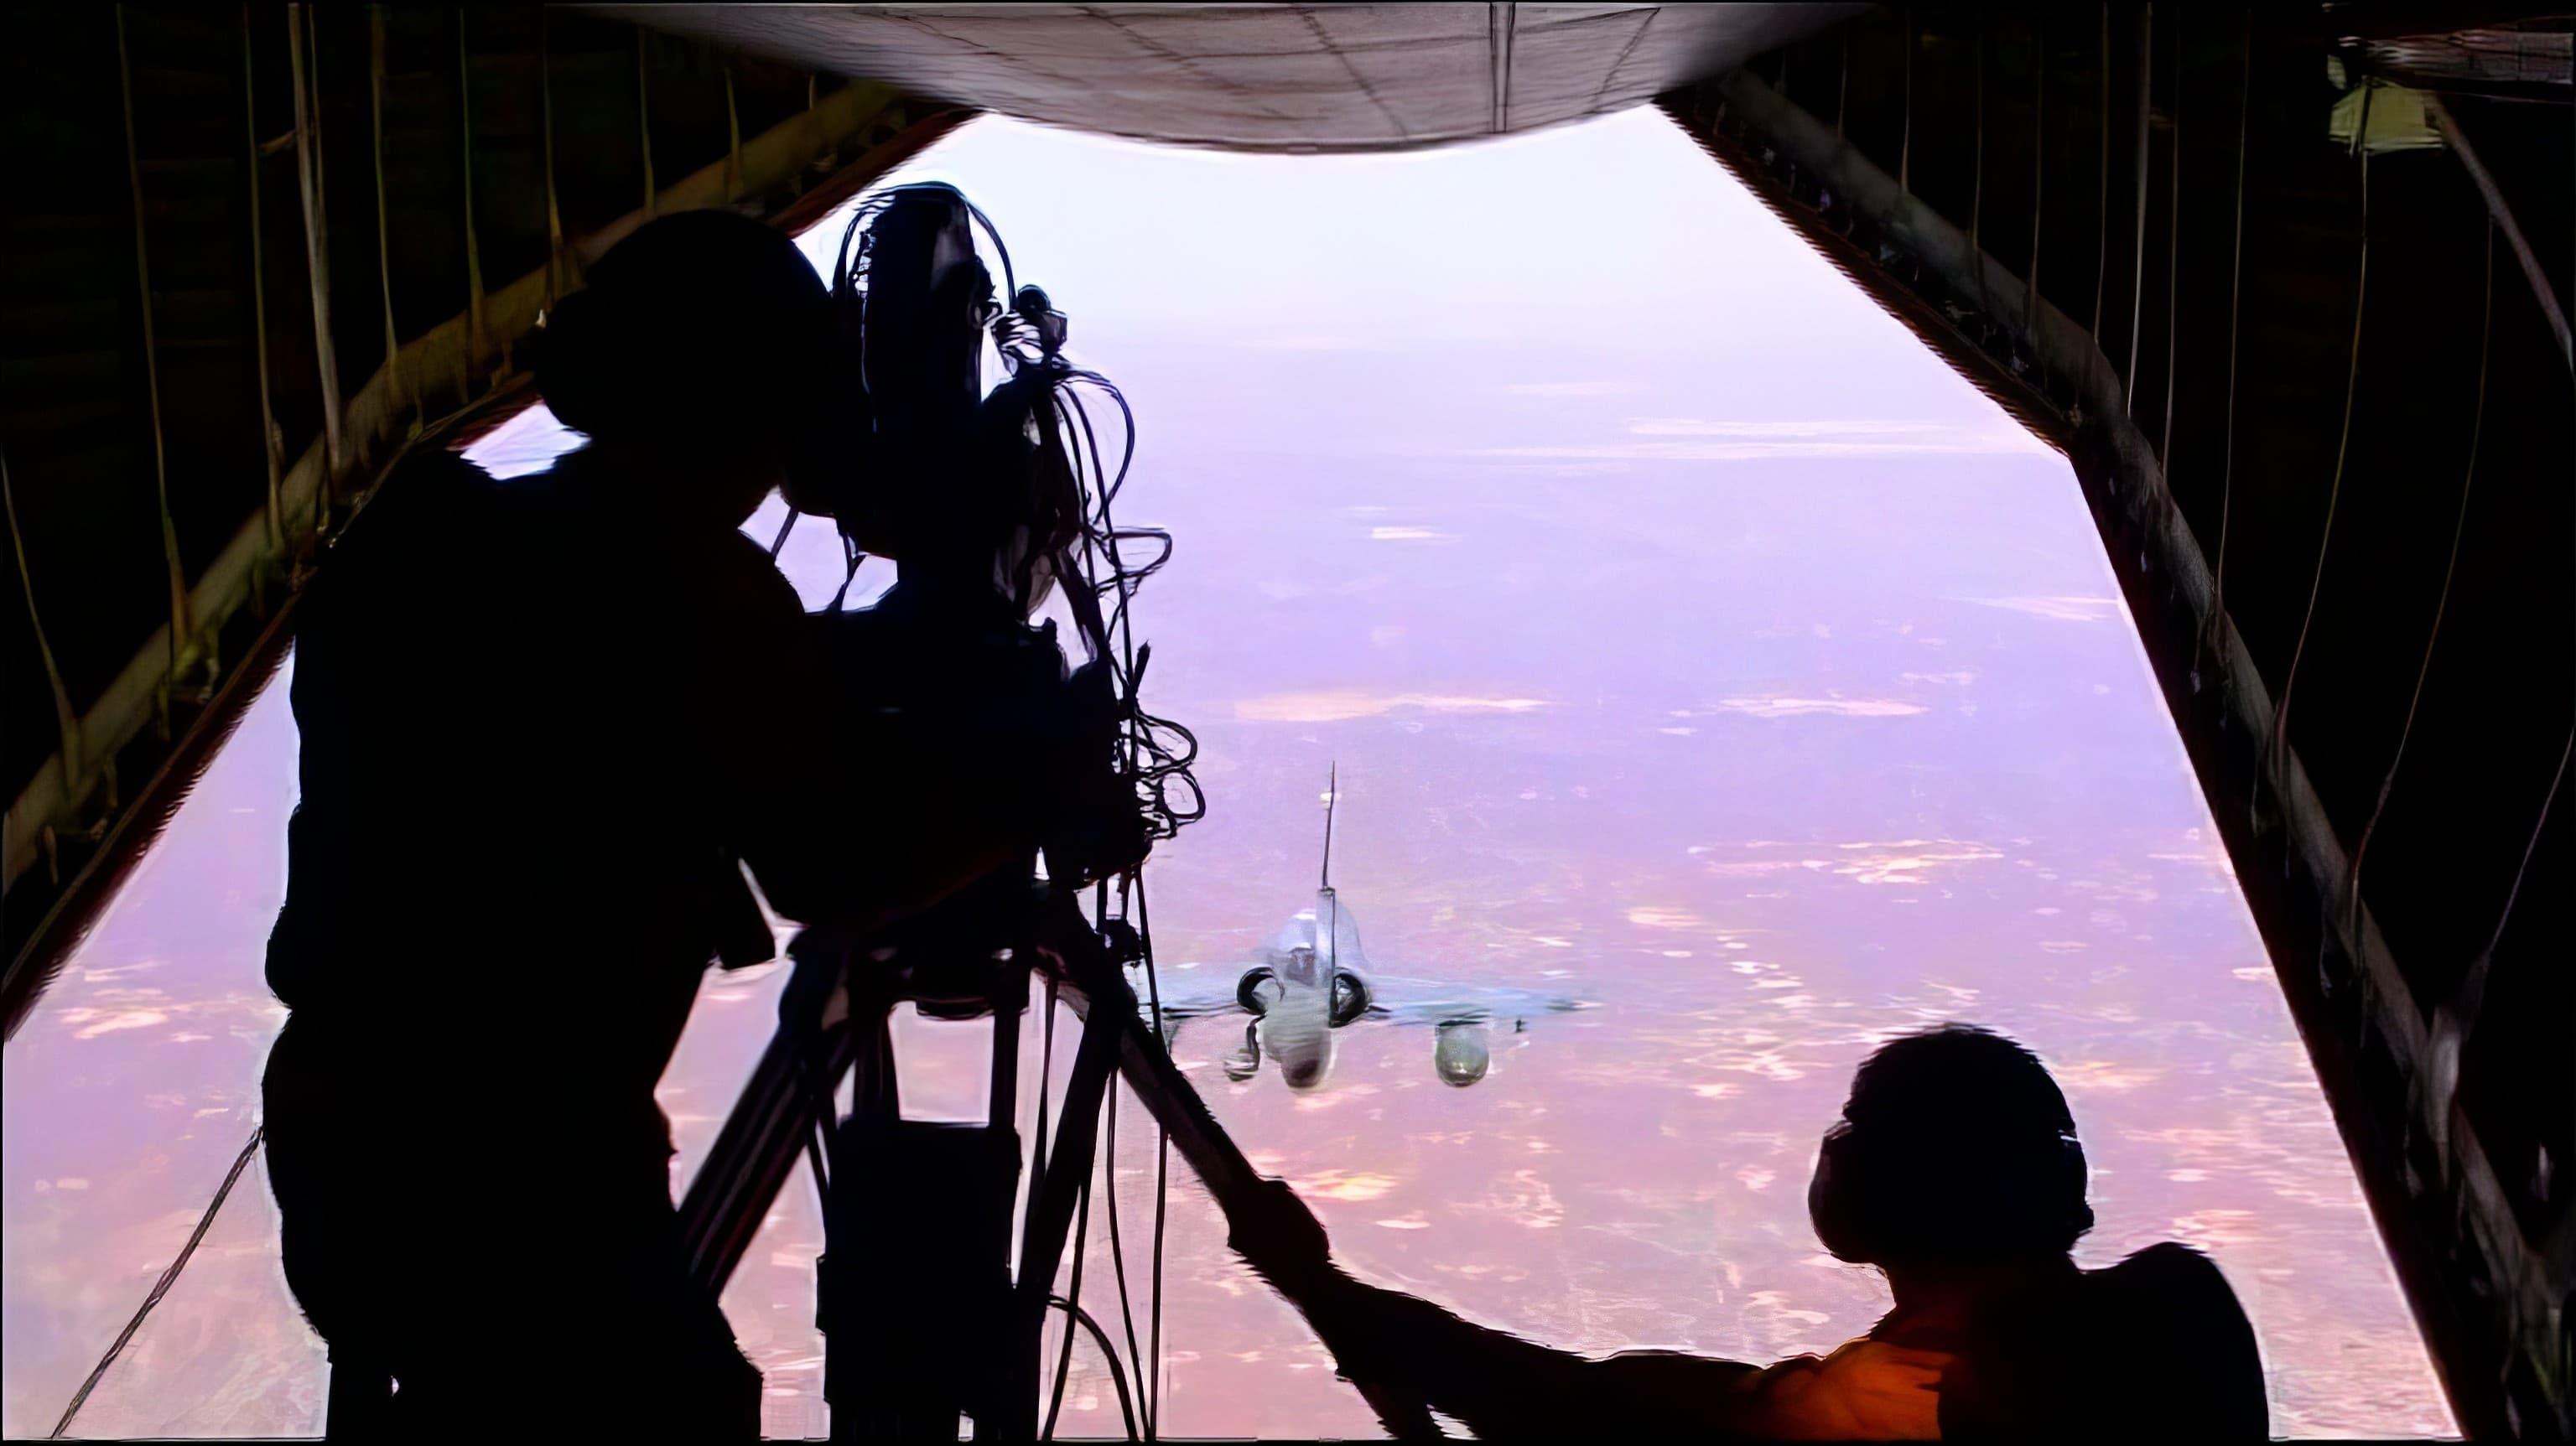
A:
{"points": [[696, 318]]}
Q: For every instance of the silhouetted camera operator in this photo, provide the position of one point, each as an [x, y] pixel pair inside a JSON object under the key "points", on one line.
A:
{"points": [[545, 724], [1955, 1169]]}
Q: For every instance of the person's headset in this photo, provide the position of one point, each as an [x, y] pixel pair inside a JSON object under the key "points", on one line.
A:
{"points": [[1907, 1186]]}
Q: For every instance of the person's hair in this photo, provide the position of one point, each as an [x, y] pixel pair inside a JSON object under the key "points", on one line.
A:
{"points": [[1955, 1146], [687, 327]]}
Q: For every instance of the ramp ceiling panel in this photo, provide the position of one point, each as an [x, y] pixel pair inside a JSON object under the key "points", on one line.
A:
{"points": [[1264, 77]]}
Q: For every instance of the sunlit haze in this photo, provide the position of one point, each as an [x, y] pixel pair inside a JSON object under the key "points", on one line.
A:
{"points": [[1718, 685]]}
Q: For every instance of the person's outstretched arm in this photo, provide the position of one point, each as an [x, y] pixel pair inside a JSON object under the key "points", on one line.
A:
{"points": [[1504, 1388]]}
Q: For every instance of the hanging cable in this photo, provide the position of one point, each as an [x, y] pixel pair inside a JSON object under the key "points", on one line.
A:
{"points": [[2470, 994], [1117, 1248], [2513, 893], [2173, 254], [2138, 250], [1076, 1315], [162, 1286], [2442, 601], [1162, 1198], [1073, 1303], [2343, 447], [2214, 627], [2102, 204], [1038, 1142]]}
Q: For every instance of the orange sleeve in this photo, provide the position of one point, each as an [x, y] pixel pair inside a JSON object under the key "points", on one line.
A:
{"points": [[1865, 1391]]}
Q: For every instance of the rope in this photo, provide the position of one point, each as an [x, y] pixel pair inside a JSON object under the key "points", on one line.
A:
{"points": [[384, 233], [2173, 254], [2038, 186], [1038, 1141], [2138, 252], [1905, 132], [1117, 1376], [2102, 206], [733, 139], [259, 292], [2470, 995], [1073, 1302], [161, 1287], [2343, 448], [2214, 627], [1162, 1192], [476, 342], [2513, 895], [66, 718], [546, 123], [180, 625], [1117, 1247], [2442, 603], [1977, 177], [644, 116]]}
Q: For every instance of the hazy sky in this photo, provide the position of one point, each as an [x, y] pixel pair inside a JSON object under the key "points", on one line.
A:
{"points": [[1694, 646]]}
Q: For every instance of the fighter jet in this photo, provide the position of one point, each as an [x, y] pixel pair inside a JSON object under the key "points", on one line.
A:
{"points": [[1313, 979]]}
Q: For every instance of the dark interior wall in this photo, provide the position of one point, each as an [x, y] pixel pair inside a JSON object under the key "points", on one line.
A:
{"points": [[294, 365], [604, 62], [76, 406], [424, 140], [191, 133], [767, 92], [341, 74], [2369, 427], [2345, 484], [427, 131], [505, 88], [686, 112], [2041, 151]]}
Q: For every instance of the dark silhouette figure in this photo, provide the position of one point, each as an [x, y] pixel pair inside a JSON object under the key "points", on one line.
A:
{"points": [[545, 725], [1955, 1169]]}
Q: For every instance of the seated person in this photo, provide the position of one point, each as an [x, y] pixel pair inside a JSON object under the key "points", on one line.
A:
{"points": [[1956, 1171]]}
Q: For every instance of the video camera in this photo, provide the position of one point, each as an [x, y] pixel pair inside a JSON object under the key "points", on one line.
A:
{"points": [[987, 501]]}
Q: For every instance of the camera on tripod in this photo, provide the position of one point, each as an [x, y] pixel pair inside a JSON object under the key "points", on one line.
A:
{"points": [[965, 715], [948, 683]]}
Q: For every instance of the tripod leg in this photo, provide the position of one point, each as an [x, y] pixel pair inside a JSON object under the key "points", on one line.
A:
{"points": [[770, 1122], [1010, 1000], [874, 1093], [1175, 1105], [1057, 1192]]}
